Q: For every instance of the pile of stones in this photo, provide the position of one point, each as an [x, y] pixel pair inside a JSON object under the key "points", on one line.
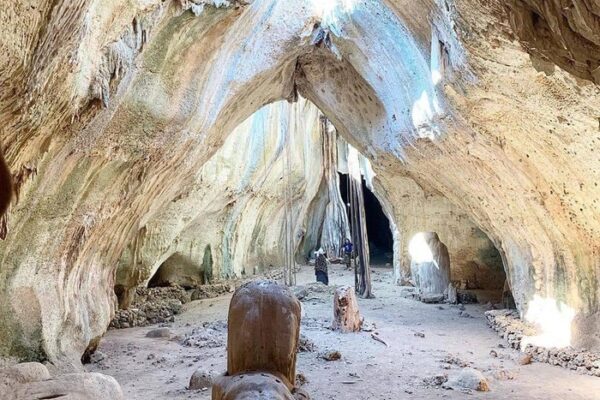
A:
{"points": [[152, 306], [160, 304], [513, 329]]}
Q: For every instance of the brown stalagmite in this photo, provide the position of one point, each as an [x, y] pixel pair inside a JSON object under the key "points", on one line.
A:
{"points": [[263, 332], [346, 316], [251, 386]]}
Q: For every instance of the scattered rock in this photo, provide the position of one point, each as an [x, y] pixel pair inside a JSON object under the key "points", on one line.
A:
{"points": [[305, 345], [201, 379], [333, 355], [511, 328], [301, 380], [525, 359], [469, 379], [159, 333], [97, 356], [408, 292], [209, 335], [452, 360], [419, 334], [436, 380], [211, 291], [466, 298], [432, 298], [151, 306], [503, 375]]}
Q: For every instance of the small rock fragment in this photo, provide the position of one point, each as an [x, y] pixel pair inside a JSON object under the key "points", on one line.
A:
{"points": [[333, 355], [159, 333], [525, 359]]}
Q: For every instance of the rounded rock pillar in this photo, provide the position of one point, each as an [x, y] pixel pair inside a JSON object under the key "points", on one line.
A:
{"points": [[430, 265]]}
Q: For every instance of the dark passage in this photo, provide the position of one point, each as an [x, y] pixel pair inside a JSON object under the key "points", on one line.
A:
{"points": [[381, 241]]}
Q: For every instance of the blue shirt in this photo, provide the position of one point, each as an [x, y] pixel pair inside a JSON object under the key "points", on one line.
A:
{"points": [[347, 248]]}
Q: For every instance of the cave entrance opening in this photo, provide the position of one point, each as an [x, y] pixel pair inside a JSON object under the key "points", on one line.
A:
{"points": [[381, 240], [180, 270]]}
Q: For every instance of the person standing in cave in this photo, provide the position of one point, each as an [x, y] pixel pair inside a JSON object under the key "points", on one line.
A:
{"points": [[348, 247], [321, 267]]}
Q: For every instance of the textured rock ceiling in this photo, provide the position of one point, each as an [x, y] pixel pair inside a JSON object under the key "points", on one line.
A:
{"points": [[563, 32], [108, 110]]}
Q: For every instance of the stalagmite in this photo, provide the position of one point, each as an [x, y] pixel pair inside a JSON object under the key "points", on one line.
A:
{"points": [[430, 266], [263, 333], [359, 227], [346, 315]]}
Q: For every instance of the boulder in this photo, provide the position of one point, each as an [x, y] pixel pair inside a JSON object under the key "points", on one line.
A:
{"points": [[468, 379], [159, 333], [22, 373], [252, 386], [432, 298], [80, 386], [201, 379]]}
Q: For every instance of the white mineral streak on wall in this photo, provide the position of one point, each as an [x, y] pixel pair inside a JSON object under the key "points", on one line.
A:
{"points": [[332, 12]]}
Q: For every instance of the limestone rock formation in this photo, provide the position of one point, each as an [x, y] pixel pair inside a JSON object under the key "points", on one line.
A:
{"points": [[468, 379], [430, 266], [109, 110], [262, 340], [201, 379], [263, 330], [562, 32], [197, 239], [88, 386], [346, 315], [251, 386], [22, 373]]}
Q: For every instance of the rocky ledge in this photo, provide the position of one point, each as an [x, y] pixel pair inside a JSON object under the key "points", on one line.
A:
{"points": [[513, 329]]}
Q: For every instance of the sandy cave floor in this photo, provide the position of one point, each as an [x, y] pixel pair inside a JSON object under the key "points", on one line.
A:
{"points": [[159, 368]]}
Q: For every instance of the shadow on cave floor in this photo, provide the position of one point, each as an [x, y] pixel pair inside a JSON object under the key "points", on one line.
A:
{"points": [[423, 341]]}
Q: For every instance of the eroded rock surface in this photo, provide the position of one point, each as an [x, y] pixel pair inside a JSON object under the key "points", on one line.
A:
{"points": [[109, 110]]}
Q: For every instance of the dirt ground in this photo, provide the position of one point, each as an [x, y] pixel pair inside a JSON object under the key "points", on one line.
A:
{"points": [[423, 341]]}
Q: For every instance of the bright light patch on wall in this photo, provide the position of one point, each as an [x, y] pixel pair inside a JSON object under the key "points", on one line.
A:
{"points": [[331, 11], [423, 113], [419, 250], [354, 163], [553, 319], [436, 59]]}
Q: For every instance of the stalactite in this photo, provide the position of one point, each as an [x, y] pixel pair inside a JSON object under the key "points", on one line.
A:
{"points": [[359, 226], [336, 226]]}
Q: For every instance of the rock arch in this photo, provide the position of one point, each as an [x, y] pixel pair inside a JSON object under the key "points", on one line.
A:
{"points": [[116, 114]]}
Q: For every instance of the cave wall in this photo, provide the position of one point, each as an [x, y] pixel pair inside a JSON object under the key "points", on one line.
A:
{"points": [[110, 108], [237, 203], [473, 257]]}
